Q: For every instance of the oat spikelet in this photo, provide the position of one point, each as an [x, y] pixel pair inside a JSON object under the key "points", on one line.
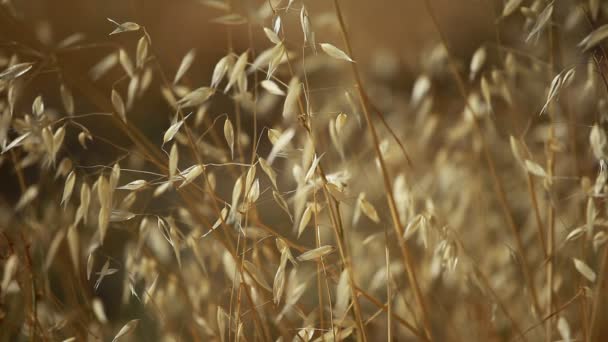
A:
{"points": [[184, 65], [229, 136], [584, 269], [334, 52], [126, 329], [316, 253]]}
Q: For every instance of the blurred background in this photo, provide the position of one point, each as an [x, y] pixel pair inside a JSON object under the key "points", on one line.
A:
{"points": [[403, 27]]}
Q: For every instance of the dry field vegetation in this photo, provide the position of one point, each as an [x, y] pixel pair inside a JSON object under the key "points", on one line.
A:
{"points": [[300, 193]]}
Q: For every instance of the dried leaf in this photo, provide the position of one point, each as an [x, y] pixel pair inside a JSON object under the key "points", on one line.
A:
{"points": [[272, 36], [254, 192], [173, 160], [584, 269], [273, 57], [173, 129], [124, 27], [230, 19], [126, 63], [272, 87], [27, 197], [290, 109], [306, 216], [99, 311], [340, 122], [477, 62], [594, 38], [517, 150], [38, 106], [47, 138], [342, 295], [312, 169], [229, 136], [556, 85], [590, 216], [85, 198], [274, 135], [564, 329], [119, 105], [114, 178], [575, 234], [250, 178], [58, 137], [281, 202], [337, 192], [305, 23], [191, 174], [268, 170], [420, 89], [368, 209], [334, 52], [568, 77], [16, 142], [535, 169], [599, 239], [220, 70], [103, 220], [238, 71], [74, 246], [256, 274], [336, 334], [10, 269], [90, 263], [53, 248], [276, 27], [543, 19], [216, 4], [132, 90], [486, 90], [196, 97], [279, 279], [134, 185], [68, 188], [103, 66], [184, 65], [280, 144], [599, 142], [316, 253], [149, 292], [15, 71], [221, 322], [237, 190], [105, 271], [67, 99], [510, 7], [161, 189], [142, 52], [127, 328]]}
